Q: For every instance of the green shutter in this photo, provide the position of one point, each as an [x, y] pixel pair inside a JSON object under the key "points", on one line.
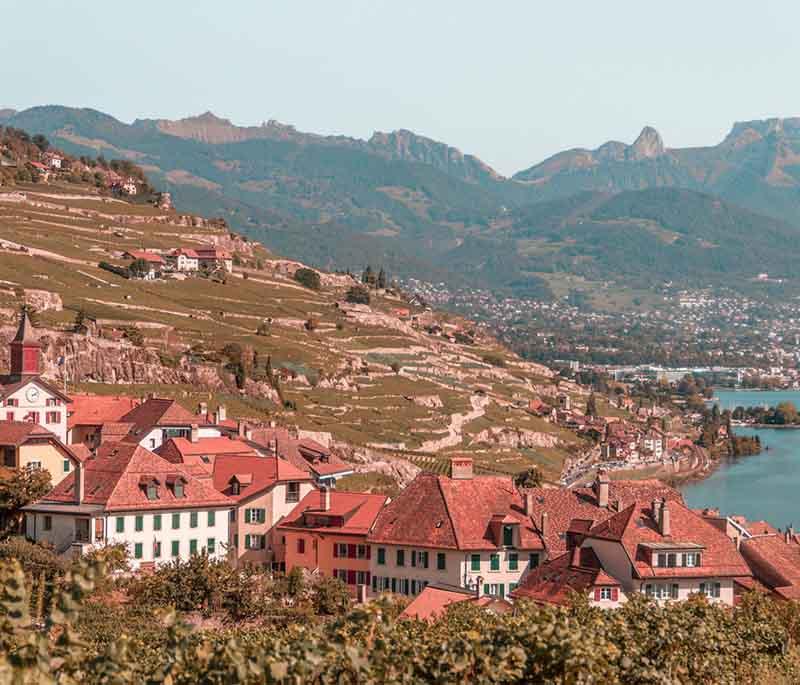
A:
{"points": [[475, 562], [502, 589], [193, 519], [486, 588], [157, 522], [176, 521], [441, 561], [139, 523], [247, 515], [212, 518], [66, 466], [381, 555], [211, 545], [176, 548], [192, 547], [513, 562], [495, 562], [137, 550], [120, 524], [247, 541]]}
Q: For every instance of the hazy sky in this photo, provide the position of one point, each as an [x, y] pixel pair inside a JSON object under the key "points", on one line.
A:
{"points": [[510, 82]]}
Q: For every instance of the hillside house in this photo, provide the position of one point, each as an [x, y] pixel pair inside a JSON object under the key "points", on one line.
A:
{"points": [[158, 419], [184, 259], [53, 160], [327, 533], [155, 262], [126, 494], [129, 186], [213, 258], [88, 415], [26, 445], [432, 603], [24, 395]]}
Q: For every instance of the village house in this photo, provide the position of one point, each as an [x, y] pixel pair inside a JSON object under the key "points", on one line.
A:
{"points": [[469, 531], [262, 491], [184, 259], [433, 601], [26, 445], [129, 186], [53, 160], [212, 258], [89, 414], [327, 533], [126, 494], [42, 170], [203, 452], [774, 559], [157, 419], [25, 396], [155, 262]]}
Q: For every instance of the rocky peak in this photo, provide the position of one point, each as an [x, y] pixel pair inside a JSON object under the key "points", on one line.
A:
{"points": [[648, 145]]}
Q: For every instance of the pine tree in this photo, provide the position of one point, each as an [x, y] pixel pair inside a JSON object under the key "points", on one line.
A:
{"points": [[591, 406], [381, 279], [368, 276]]}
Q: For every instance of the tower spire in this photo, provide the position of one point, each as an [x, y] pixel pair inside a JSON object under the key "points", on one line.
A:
{"points": [[25, 349]]}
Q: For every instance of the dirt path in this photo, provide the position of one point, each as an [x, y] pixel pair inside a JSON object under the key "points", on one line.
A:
{"points": [[457, 422]]}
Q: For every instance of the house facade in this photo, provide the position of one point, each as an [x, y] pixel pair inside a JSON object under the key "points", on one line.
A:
{"points": [[126, 494], [184, 259], [29, 446]]}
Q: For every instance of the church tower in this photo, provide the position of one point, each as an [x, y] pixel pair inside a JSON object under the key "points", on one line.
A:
{"points": [[25, 350]]}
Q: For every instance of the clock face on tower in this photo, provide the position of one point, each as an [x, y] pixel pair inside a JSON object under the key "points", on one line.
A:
{"points": [[32, 394]]}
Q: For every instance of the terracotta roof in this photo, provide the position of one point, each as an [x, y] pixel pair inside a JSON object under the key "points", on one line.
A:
{"points": [[18, 432], [436, 511], [215, 446], [775, 563], [564, 506], [113, 479], [93, 410], [433, 601], [635, 526], [146, 256], [186, 252], [357, 511], [305, 454], [264, 471], [555, 581], [114, 431], [157, 411]]}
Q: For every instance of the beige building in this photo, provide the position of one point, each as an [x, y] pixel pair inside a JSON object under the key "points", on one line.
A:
{"points": [[29, 446]]}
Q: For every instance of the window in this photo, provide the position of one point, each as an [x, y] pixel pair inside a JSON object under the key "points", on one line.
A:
{"points": [[193, 519], [255, 515], [52, 402], [48, 523], [508, 536], [52, 417], [139, 523], [710, 589], [66, 466], [33, 417], [441, 561], [301, 546], [381, 556], [494, 562], [513, 561], [211, 546], [691, 559], [177, 489], [9, 457], [176, 521], [176, 548], [340, 550], [662, 591], [413, 557], [192, 547], [235, 487], [156, 550], [157, 522], [401, 557], [120, 524], [475, 562], [33, 465], [232, 515], [605, 593], [362, 577], [152, 443], [137, 550], [212, 519], [12, 402], [423, 559], [9, 416], [406, 586], [293, 492], [254, 541], [152, 491]]}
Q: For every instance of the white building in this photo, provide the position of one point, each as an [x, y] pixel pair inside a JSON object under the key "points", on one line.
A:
{"points": [[24, 395], [184, 259], [126, 494], [156, 420]]}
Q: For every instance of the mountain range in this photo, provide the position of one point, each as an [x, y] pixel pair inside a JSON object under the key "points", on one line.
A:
{"points": [[638, 213]]}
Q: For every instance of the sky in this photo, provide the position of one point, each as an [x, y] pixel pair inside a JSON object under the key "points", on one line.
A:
{"points": [[511, 82]]}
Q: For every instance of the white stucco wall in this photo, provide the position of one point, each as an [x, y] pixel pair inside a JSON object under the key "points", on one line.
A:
{"points": [[38, 405]]}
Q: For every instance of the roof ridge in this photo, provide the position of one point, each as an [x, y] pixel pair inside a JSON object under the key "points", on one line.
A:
{"points": [[456, 535]]}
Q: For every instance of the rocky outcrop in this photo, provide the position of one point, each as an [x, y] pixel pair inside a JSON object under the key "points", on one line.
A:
{"points": [[646, 146], [515, 438], [369, 460], [430, 401], [43, 300]]}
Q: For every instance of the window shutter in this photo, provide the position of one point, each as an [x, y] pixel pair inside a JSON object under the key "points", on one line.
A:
{"points": [[675, 588], [614, 594], [702, 588], [717, 588], [335, 549], [351, 551], [486, 588], [597, 594], [351, 577], [247, 515], [247, 541], [369, 551], [367, 578]]}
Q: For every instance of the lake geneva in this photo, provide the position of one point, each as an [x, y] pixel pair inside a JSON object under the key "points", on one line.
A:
{"points": [[764, 486]]}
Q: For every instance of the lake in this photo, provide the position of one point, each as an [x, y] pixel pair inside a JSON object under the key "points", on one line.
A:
{"points": [[764, 486]]}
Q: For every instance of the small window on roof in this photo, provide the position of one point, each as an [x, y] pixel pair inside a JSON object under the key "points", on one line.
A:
{"points": [[178, 490], [235, 487], [152, 491]]}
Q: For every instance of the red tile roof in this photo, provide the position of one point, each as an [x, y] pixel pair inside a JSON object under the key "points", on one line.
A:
{"points": [[357, 511], [18, 432], [635, 526], [93, 410], [557, 580], [433, 601], [113, 478], [186, 252], [775, 563], [147, 256], [157, 411], [215, 446], [264, 472], [305, 454], [436, 511]]}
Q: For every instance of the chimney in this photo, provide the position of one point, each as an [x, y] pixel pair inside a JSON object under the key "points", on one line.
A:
{"points": [[362, 594], [325, 497], [80, 484], [248, 433], [195, 434], [788, 536], [528, 504], [543, 526], [663, 519], [461, 468], [478, 587], [602, 484], [655, 507], [241, 428], [222, 413], [202, 409], [575, 560]]}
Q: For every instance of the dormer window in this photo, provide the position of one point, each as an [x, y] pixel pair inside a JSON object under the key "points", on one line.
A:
{"points": [[152, 491], [178, 490], [150, 485], [235, 487], [508, 536], [178, 485]]}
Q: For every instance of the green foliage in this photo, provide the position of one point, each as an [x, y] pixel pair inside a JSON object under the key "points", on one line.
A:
{"points": [[494, 360], [309, 278], [139, 268], [530, 478], [358, 295], [21, 487], [134, 335]]}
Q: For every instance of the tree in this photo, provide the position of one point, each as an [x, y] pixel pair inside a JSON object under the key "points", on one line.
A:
{"points": [[139, 268], [530, 478], [309, 278], [785, 413], [368, 277], [381, 282], [21, 488], [41, 142], [591, 406], [358, 295]]}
